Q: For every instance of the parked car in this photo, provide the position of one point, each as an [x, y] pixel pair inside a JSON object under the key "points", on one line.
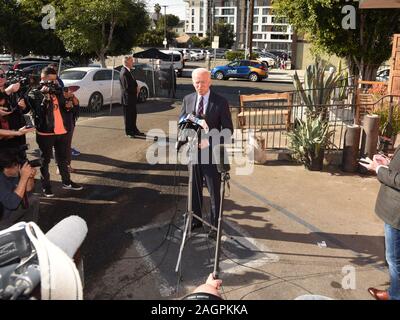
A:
{"points": [[383, 75], [201, 52], [5, 66], [177, 57], [248, 69], [92, 86], [221, 53], [270, 62], [195, 56]]}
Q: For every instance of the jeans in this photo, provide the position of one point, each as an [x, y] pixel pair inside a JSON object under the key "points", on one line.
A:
{"points": [[60, 144], [392, 241]]}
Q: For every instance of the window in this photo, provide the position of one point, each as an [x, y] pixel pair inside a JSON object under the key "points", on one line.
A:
{"points": [[228, 12], [265, 20], [73, 75], [116, 75], [231, 20], [255, 28], [245, 63], [192, 19], [265, 11], [256, 11], [234, 64], [264, 28], [279, 28], [279, 20], [102, 75], [255, 20], [192, 12], [192, 27], [279, 37]]}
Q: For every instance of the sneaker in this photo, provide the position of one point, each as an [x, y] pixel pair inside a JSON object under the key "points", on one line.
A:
{"points": [[75, 152], [48, 193], [72, 186]]}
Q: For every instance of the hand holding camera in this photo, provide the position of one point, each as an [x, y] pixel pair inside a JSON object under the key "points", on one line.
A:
{"points": [[26, 171]]}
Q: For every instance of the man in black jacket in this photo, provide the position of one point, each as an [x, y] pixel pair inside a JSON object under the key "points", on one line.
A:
{"points": [[129, 92], [52, 126], [388, 209], [214, 108]]}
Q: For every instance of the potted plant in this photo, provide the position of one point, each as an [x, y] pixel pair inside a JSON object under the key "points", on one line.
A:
{"points": [[309, 140]]}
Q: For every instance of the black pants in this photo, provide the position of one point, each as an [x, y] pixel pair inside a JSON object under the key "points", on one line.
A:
{"points": [[60, 145], [130, 117], [213, 181]]}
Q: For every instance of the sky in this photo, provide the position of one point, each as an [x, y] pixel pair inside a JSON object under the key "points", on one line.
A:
{"points": [[176, 7]]}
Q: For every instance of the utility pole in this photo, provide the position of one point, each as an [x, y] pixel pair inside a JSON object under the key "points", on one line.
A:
{"points": [[165, 27], [250, 20]]}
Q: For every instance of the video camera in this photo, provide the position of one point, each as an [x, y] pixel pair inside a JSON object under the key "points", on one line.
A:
{"points": [[54, 88], [26, 81]]}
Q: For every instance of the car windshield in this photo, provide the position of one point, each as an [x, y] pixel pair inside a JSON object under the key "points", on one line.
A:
{"points": [[73, 75]]}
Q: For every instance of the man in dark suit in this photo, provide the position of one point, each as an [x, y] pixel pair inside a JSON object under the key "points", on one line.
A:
{"points": [[206, 104], [388, 209], [129, 92]]}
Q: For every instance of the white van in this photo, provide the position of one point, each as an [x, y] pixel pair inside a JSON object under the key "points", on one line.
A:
{"points": [[177, 58]]}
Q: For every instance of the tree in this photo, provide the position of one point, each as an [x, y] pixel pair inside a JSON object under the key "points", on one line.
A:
{"points": [[101, 26], [365, 47], [155, 38], [21, 31], [225, 33]]}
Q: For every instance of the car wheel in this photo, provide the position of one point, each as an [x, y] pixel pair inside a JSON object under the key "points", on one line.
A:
{"points": [[95, 102], [143, 94], [219, 75], [253, 77]]}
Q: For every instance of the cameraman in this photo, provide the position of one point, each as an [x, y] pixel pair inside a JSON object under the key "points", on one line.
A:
{"points": [[12, 110], [16, 181], [52, 126]]}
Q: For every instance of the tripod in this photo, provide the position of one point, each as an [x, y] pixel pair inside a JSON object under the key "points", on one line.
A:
{"points": [[190, 214]]}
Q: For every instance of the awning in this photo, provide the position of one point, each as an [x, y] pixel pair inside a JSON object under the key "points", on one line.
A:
{"points": [[379, 4], [152, 53]]}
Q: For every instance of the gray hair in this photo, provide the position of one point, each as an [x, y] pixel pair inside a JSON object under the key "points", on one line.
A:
{"points": [[199, 71], [125, 59]]}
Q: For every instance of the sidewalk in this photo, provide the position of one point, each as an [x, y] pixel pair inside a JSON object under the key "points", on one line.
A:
{"points": [[283, 76]]}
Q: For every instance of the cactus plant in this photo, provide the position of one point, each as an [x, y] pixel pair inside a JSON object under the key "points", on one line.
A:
{"points": [[316, 92]]}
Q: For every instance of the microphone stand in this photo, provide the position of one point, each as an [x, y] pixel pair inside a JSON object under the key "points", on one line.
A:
{"points": [[225, 177]]}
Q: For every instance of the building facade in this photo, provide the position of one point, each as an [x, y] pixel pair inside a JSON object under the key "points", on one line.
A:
{"points": [[269, 31]]}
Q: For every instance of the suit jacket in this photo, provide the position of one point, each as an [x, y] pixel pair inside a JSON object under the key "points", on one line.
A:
{"points": [[217, 116], [388, 202], [128, 87]]}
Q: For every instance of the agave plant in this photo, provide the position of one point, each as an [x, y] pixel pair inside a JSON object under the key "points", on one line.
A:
{"points": [[316, 92], [308, 141]]}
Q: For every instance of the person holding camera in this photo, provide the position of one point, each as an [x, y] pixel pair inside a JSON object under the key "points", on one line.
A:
{"points": [[52, 126], [16, 181], [12, 110]]}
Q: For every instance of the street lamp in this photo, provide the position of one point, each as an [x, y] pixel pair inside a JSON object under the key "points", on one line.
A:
{"points": [[165, 27]]}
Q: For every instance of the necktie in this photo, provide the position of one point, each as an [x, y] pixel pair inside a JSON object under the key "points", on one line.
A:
{"points": [[200, 110]]}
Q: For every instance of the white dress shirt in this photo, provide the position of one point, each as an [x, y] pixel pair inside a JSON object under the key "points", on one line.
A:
{"points": [[205, 102]]}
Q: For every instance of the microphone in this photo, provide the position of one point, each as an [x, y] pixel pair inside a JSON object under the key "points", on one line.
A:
{"points": [[183, 124], [222, 159], [200, 121]]}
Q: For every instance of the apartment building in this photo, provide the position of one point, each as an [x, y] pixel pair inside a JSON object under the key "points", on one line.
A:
{"points": [[269, 31]]}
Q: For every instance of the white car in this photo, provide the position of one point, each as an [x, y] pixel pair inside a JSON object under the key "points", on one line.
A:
{"points": [[92, 86], [195, 56], [269, 61]]}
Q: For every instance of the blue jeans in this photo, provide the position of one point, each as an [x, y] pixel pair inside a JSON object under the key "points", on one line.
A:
{"points": [[392, 241]]}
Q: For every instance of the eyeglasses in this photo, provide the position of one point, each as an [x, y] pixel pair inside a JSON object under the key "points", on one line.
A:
{"points": [[2, 75]]}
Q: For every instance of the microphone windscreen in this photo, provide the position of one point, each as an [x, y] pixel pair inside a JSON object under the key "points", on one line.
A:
{"points": [[68, 234]]}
